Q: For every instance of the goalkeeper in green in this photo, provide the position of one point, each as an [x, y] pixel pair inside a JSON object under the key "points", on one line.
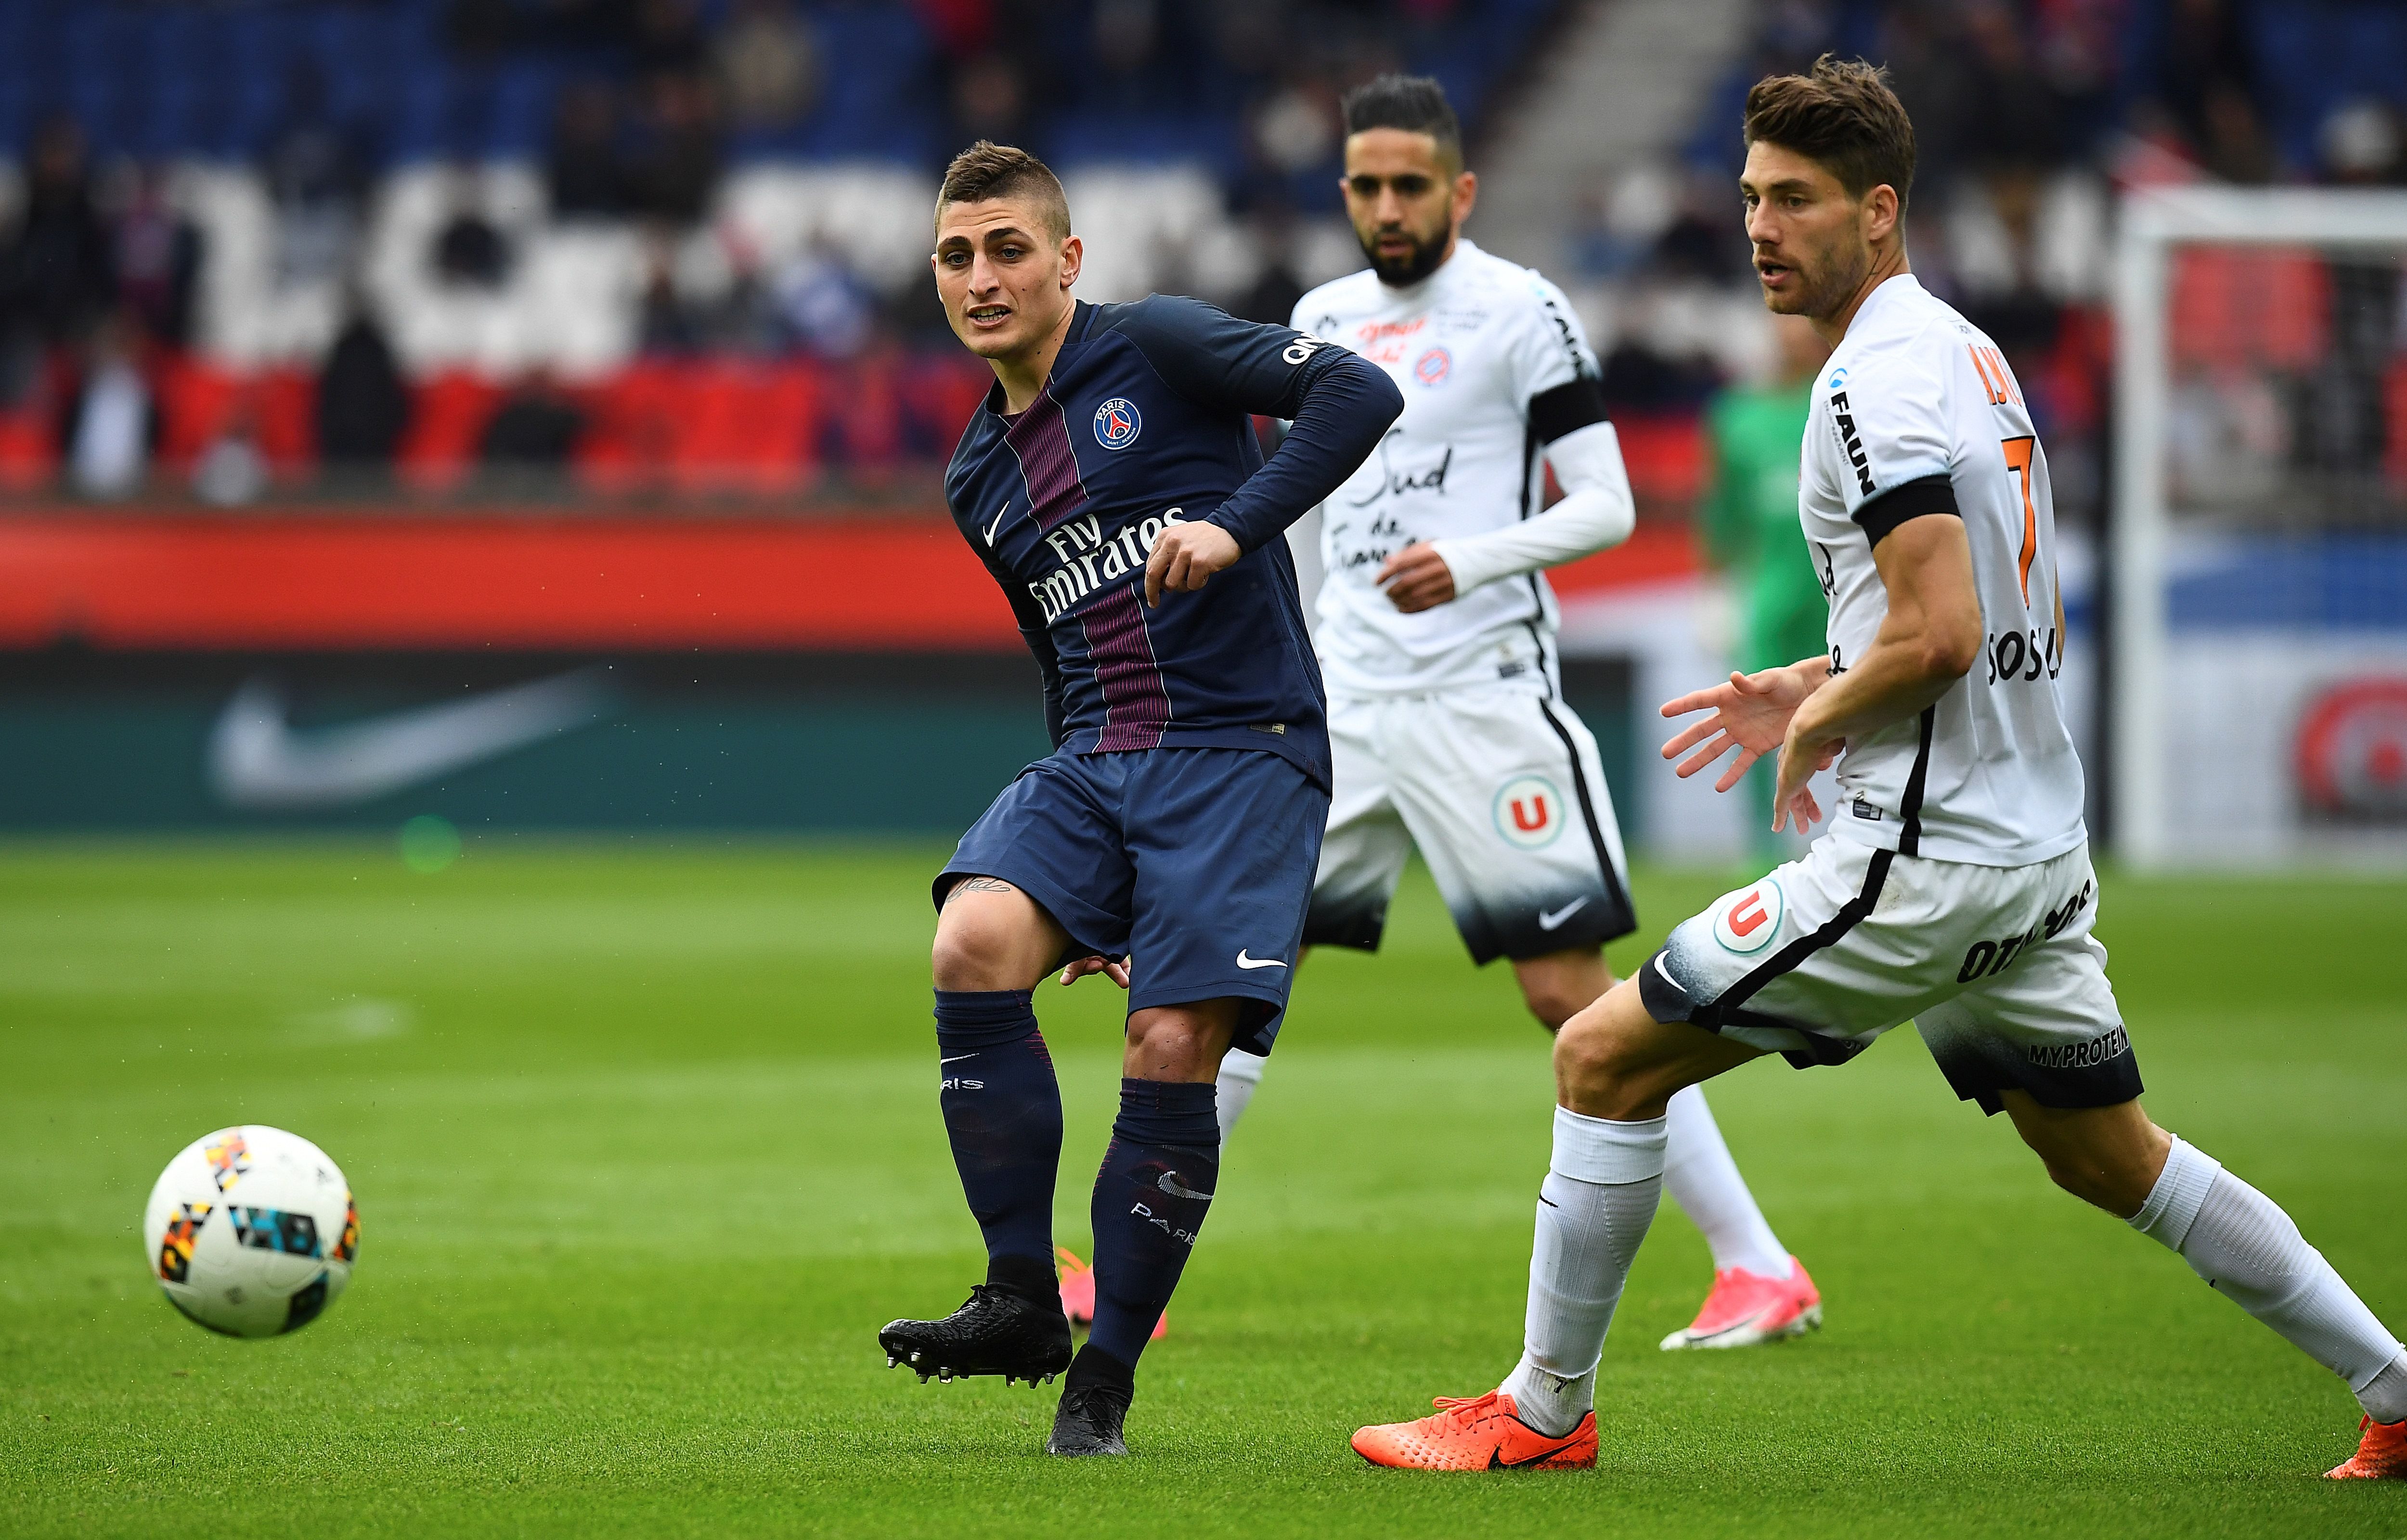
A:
{"points": [[1751, 529]]}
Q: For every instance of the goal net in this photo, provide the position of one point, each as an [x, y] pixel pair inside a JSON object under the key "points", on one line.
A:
{"points": [[2257, 573]]}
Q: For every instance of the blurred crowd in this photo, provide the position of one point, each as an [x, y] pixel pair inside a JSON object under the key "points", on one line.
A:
{"points": [[588, 244], [2030, 116], [509, 245]]}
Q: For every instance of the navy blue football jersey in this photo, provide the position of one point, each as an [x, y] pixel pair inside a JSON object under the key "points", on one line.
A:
{"points": [[1146, 421]]}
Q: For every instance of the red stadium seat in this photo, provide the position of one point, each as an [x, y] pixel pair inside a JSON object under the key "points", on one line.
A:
{"points": [[449, 418], [2270, 308], [197, 402], [29, 451], [743, 428], [285, 401], [1666, 456], [633, 418]]}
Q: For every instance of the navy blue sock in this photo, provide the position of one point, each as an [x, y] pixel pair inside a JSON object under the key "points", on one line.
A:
{"points": [[1150, 1200], [1003, 1113]]}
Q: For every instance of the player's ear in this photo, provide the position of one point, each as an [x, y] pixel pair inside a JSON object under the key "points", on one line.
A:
{"points": [[1074, 256], [1466, 194], [1880, 213]]}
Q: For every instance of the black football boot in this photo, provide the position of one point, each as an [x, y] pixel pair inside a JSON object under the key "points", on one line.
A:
{"points": [[1089, 1421], [997, 1331], [1095, 1406]]}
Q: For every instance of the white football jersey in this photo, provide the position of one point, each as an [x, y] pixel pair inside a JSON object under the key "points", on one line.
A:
{"points": [[1918, 406], [1471, 347]]}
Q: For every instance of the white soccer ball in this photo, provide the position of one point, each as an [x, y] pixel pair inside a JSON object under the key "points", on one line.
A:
{"points": [[251, 1231]]}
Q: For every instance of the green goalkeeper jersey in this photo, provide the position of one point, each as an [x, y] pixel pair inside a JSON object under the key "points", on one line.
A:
{"points": [[1750, 522]]}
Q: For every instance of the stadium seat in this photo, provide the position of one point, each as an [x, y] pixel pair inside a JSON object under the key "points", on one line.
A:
{"points": [[29, 451], [742, 428], [448, 419], [2230, 307]]}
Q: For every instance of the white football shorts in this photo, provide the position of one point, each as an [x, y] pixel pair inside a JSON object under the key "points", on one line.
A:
{"points": [[1995, 965], [1503, 792]]}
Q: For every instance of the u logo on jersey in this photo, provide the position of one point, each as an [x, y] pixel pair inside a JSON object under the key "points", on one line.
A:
{"points": [[1117, 423], [1529, 812], [1746, 921]]}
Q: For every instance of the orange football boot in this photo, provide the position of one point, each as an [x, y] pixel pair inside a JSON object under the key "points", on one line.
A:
{"points": [[1078, 1292], [2381, 1456], [1745, 1308], [1476, 1434]]}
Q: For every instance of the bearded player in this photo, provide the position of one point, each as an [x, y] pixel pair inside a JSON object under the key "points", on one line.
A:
{"points": [[1953, 887], [1448, 725]]}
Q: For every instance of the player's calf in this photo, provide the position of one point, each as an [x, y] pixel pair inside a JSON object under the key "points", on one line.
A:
{"points": [[2234, 1237]]}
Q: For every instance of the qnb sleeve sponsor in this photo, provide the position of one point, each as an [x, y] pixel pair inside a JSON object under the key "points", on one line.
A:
{"points": [[1147, 422]]}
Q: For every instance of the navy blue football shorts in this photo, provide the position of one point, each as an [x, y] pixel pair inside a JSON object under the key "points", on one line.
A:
{"points": [[1195, 864]]}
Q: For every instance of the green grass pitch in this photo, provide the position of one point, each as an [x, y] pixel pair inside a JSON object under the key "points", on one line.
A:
{"points": [[645, 1149]]}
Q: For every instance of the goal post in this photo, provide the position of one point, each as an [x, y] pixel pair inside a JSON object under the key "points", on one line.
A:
{"points": [[2258, 540]]}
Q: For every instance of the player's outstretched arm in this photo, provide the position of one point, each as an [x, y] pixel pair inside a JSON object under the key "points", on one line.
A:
{"points": [[1597, 511], [1928, 642], [1338, 404]]}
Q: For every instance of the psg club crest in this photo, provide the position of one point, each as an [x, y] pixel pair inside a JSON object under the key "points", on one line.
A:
{"points": [[1117, 423], [1433, 367]]}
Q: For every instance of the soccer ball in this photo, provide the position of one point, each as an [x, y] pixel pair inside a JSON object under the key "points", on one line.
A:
{"points": [[251, 1231]]}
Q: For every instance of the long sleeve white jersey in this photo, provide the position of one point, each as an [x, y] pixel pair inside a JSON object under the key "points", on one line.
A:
{"points": [[1495, 370], [1917, 413]]}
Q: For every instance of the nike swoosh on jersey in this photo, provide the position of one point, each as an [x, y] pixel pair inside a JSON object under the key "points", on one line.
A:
{"points": [[1245, 962], [258, 759], [998, 523], [1548, 922]]}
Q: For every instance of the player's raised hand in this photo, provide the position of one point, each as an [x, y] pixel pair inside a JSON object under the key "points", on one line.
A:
{"points": [[1185, 557], [1751, 714], [1416, 578], [1115, 971]]}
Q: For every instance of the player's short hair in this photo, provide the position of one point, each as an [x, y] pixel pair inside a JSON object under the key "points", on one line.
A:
{"points": [[1841, 115], [989, 170], [1414, 103]]}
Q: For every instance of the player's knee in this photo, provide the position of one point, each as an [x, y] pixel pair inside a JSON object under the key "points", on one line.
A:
{"points": [[1176, 1042], [970, 953], [1552, 1005], [1593, 1063]]}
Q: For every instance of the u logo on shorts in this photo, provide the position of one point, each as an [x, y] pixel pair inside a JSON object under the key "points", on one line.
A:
{"points": [[1529, 812], [1749, 919]]}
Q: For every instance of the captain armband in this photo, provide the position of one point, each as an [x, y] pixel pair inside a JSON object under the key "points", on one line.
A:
{"points": [[1884, 513]]}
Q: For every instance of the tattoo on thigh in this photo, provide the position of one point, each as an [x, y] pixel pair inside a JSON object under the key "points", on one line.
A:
{"points": [[978, 884]]}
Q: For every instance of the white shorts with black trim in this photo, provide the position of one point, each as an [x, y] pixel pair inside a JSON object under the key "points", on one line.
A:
{"points": [[1503, 792], [1995, 965]]}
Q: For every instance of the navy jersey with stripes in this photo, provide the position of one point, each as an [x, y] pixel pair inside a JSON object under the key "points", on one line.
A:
{"points": [[1146, 422]]}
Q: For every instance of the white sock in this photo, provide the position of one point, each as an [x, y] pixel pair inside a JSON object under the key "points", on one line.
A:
{"points": [[1599, 1197], [2248, 1251], [1704, 1180], [1240, 1073]]}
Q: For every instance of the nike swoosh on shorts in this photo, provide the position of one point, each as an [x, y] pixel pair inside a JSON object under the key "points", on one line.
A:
{"points": [[1548, 922], [1245, 962]]}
